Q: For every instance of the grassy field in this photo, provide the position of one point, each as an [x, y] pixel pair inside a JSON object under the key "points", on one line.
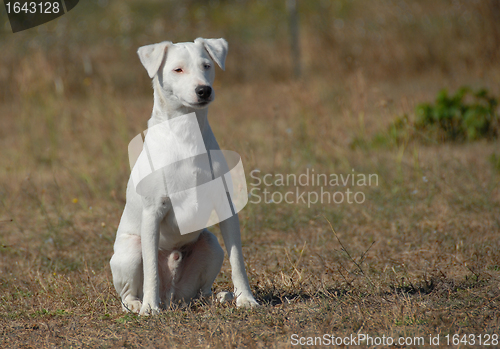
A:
{"points": [[419, 256]]}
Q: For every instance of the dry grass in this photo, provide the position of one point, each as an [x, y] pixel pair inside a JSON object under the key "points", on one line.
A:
{"points": [[420, 256]]}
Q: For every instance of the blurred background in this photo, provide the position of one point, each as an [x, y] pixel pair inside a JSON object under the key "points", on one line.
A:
{"points": [[73, 92], [340, 99], [73, 89], [385, 40]]}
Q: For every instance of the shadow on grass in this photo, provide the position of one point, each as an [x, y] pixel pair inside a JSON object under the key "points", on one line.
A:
{"points": [[277, 296], [274, 296]]}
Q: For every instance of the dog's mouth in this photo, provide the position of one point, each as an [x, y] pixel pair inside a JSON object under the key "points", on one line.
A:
{"points": [[203, 103], [200, 104]]}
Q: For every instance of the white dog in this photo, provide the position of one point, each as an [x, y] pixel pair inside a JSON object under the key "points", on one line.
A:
{"points": [[153, 263]]}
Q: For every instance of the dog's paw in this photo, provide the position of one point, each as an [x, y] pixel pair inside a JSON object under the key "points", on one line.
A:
{"points": [[246, 302], [133, 306], [147, 310], [224, 297]]}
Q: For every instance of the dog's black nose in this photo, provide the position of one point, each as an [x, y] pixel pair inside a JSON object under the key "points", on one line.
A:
{"points": [[203, 92]]}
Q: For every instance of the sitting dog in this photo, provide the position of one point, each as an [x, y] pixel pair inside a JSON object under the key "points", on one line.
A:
{"points": [[153, 263]]}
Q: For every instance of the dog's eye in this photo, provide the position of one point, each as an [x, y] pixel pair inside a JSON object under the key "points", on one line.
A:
{"points": [[178, 70], [206, 66]]}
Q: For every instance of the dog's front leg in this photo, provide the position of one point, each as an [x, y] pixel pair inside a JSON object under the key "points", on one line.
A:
{"points": [[150, 235], [230, 229]]}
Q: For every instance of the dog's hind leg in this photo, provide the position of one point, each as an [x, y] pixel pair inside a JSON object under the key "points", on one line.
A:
{"points": [[126, 267], [199, 268]]}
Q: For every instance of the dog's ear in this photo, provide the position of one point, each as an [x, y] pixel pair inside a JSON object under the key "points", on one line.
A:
{"points": [[151, 56], [216, 48]]}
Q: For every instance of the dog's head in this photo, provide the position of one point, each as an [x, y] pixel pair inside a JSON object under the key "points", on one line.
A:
{"points": [[185, 71]]}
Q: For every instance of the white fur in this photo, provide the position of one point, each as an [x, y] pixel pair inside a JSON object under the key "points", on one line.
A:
{"points": [[152, 262]]}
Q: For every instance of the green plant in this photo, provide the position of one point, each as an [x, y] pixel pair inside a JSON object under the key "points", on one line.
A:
{"points": [[495, 161], [399, 132], [466, 115]]}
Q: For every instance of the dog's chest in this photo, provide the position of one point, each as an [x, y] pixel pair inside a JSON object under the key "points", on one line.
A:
{"points": [[175, 163]]}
